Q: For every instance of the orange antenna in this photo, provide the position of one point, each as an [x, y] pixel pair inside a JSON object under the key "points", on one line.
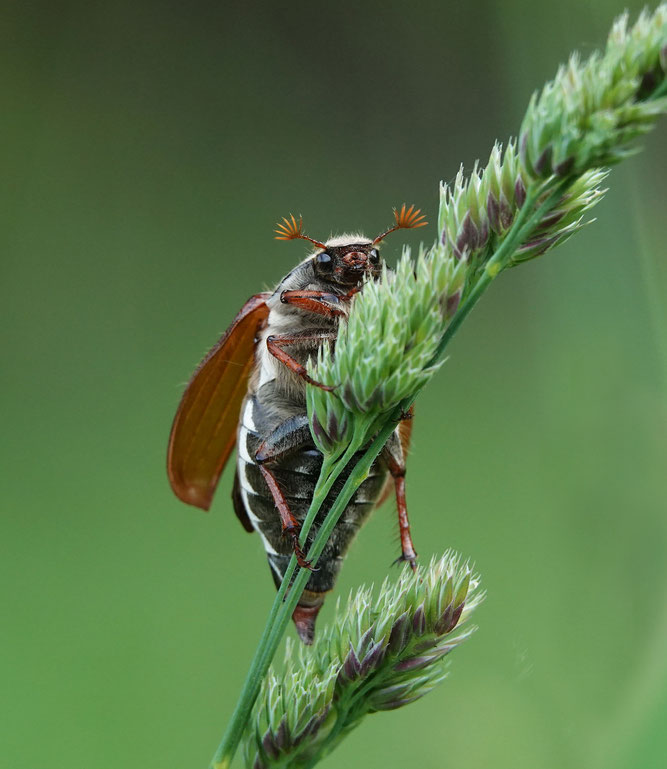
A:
{"points": [[406, 219], [293, 230]]}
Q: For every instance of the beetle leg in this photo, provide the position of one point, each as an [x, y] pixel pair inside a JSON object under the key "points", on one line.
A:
{"points": [[291, 526], [394, 457], [291, 434], [318, 302], [275, 346]]}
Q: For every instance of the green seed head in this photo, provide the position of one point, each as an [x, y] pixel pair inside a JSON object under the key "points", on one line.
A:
{"points": [[589, 115], [384, 353], [380, 653]]}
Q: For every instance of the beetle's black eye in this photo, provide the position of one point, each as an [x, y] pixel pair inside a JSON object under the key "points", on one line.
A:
{"points": [[323, 258], [374, 255]]}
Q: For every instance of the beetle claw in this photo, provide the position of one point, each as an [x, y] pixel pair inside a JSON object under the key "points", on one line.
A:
{"points": [[301, 559], [411, 559]]}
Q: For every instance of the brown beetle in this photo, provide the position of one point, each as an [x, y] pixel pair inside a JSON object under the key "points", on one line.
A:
{"points": [[250, 390]]}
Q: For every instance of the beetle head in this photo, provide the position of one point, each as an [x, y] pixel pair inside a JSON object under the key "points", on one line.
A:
{"points": [[348, 260]]}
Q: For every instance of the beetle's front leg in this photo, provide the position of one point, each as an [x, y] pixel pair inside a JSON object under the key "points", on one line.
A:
{"points": [[289, 436], [276, 343], [318, 302]]}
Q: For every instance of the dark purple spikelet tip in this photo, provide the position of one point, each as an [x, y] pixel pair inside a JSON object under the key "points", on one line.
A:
{"points": [[349, 397], [398, 635], [543, 164], [452, 304], [449, 619], [269, 745], [456, 616], [282, 737], [320, 432], [493, 212], [506, 213], [300, 737], [519, 192], [351, 666], [442, 624], [549, 221], [565, 167], [469, 236], [419, 621], [258, 763], [319, 720], [364, 642], [341, 683], [394, 704], [373, 658], [483, 233], [333, 427], [647, 85], [312, 725], [540, 245], [548, 243], [412, 663]]}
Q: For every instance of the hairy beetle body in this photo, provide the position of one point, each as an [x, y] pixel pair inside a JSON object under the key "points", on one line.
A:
{"points": [[250, 391]]}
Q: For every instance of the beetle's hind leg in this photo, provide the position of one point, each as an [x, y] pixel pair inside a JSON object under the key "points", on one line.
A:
{"points": [[291, 527], [289, 436], [393, 455]]}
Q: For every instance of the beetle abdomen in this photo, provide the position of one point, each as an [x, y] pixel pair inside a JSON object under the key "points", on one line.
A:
{"points": [[296, 474]]}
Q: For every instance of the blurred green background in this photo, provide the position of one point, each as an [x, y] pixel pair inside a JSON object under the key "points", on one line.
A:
{"points": [[148, 148]]}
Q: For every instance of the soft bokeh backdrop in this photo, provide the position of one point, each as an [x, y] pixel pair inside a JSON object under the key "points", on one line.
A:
{"points": [[148, 148]]}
